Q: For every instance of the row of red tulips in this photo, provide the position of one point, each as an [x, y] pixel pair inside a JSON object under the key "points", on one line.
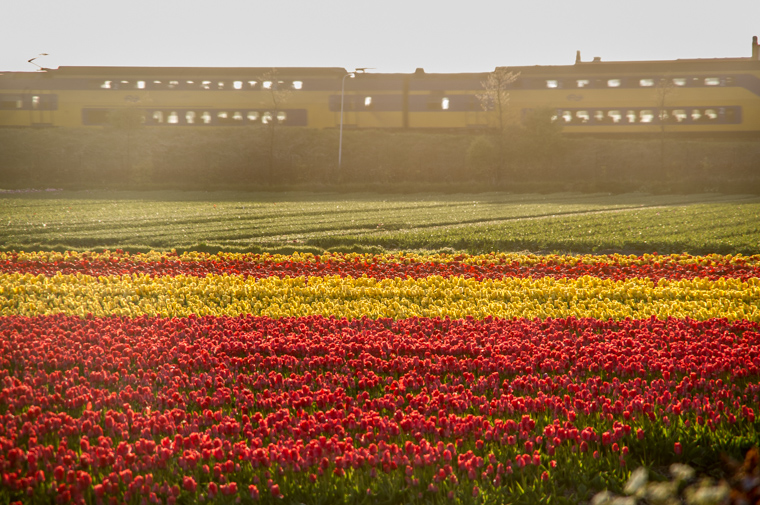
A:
{"points": [[674, 267], [164, 410]]}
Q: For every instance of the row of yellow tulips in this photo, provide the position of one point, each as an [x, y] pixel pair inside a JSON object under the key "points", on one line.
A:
{"points": [[434, 296]]}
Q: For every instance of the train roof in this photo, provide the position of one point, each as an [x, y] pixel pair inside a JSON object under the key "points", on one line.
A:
{"points": [[580, 67]]}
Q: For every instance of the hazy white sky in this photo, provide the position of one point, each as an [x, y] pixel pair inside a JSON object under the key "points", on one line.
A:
{"points": [[390, 35]]}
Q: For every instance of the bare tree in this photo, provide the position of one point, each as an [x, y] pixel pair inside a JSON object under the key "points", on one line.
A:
{"points": [[278, 93], [664, 92], [495, 97]]}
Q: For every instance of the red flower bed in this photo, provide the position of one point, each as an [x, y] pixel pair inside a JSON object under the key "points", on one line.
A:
{"points": [[254, 409], [388, 267]]}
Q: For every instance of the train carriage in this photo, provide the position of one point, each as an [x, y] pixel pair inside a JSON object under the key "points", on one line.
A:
{"points": [[702, 96]]}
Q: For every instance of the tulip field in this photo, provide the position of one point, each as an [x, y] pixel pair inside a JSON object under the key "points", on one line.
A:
{"points": [[160, 377]]}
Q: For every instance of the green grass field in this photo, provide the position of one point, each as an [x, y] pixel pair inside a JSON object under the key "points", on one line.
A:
{"points": [[634, 223]]}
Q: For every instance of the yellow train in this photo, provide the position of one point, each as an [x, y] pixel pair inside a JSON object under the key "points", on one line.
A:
{"points": [[702, 96]]}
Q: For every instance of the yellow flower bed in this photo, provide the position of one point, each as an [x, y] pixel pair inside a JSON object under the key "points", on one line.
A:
{"points": [[435, 296]]}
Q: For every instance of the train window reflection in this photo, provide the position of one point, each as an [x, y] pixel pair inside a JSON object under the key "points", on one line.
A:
{"points": [[368, 102], [267, 84], [711, 114], [646, 116], [266, 118], [158, 116], [237, 84], [172, 118], [613, 83], [253, 116], [206, 117], [552, 83], [237, 117], [173, 84], [567, 116], [696, 115], [712, 81], [106, 85], [253, 84], [582, 83], [678, 115], [220, 85], [190, 117], [282, 116], [581, 116], [206, 85], [140, 84], [679, 81], [615, 116], [631, 116], [646, 83], [297, 84], [445, 103]]}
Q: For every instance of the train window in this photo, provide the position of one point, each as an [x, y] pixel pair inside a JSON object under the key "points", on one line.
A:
{"points": [[581, 117], [297, 84], [140, 84], [237, 117], [253, 116], [253, 84], [266, 118], [646, 116], [696, 115], [10, 102], [190, 117], [267, 84], [220, 85], [729, 81], [206, 85], [582, 83], [158, 116], [678, 115], [445, 103], [280, 84], [631, 116], [282, 116], [613, 83], [679, 81], [646, 83], [173, 84], [552, 83], [190, 84], [615, 116], [712, 81], [206, 117], [157, 84], [222, 115], [172, 118], [711, 114], [367, 102], [106, 85], [35, 102], [237, 84], [567, 116]]}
